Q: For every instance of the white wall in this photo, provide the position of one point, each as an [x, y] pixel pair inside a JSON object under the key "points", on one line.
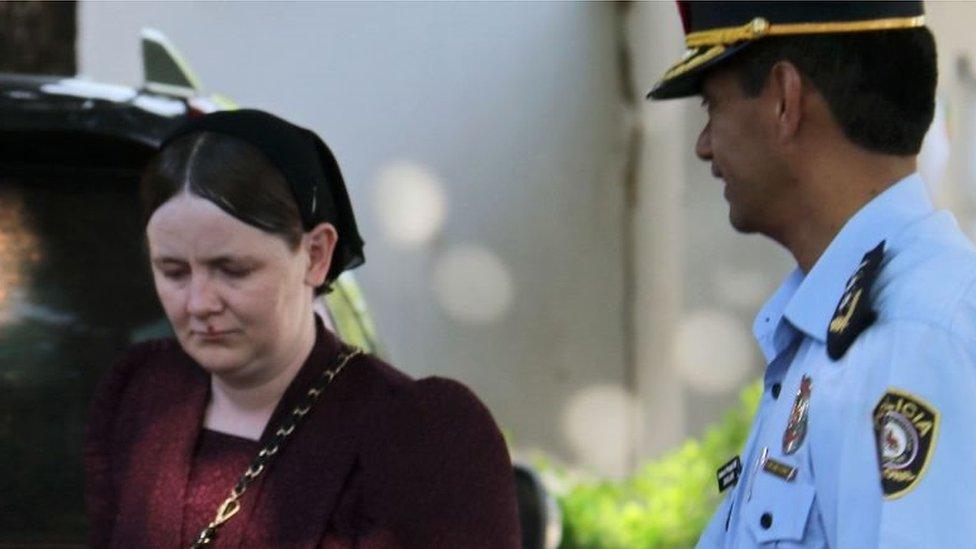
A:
{"points": [[955, 182], [512, 111]]}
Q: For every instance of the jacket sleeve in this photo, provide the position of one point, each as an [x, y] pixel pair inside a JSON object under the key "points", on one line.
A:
{"points": [[99, 448], [448, 476]]}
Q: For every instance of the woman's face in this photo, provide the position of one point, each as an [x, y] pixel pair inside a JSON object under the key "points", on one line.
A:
{"points": [[238, 298]]}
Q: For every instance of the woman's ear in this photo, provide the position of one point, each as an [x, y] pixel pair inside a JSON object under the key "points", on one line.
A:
{"points": [[319, 243]]}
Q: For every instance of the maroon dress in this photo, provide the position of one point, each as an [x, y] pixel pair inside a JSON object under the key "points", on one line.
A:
{"points": [[381, 461]]}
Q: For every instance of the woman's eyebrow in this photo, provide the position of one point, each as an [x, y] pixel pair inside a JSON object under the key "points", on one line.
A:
{"points": [[225, 259], [167, 259], [216, 260]]}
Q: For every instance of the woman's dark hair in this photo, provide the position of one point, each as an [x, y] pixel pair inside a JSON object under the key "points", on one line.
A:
{"points": [[880, 86], [232, 174]]}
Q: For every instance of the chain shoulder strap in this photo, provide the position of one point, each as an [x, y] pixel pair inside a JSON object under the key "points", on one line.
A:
{"points": [[232, 504]]}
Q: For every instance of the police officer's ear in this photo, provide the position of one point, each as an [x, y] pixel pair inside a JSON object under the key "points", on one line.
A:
{"points": [[786, 90]]}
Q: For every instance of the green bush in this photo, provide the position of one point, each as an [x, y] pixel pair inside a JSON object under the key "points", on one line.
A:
{"points": [[666, 504]]}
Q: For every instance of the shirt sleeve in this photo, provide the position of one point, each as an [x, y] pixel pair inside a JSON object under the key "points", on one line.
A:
{"points": [[449, 479], [908, 478], [714, 533]]}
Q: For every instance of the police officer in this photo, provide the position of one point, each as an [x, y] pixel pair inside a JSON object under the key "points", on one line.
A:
{"points": [[866, 431]]}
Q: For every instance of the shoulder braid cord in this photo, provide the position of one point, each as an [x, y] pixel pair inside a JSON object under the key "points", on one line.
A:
{"points": [[232, 504]]}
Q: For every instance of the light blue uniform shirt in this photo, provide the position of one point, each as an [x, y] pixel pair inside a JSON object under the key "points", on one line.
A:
{"points": [[923, 345]]}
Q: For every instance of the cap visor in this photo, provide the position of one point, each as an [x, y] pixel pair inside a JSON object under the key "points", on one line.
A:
{"points": [[687, 82]]}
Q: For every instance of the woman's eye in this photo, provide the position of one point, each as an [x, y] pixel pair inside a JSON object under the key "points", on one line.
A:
{"points": [[174, 274]]}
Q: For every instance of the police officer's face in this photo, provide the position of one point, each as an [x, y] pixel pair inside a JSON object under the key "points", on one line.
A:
{"points": [[238, 298], [738, 141]]}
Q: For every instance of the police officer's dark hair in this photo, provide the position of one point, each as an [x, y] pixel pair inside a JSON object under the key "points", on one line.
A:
{"points": [[228, 172], [880, 86]]}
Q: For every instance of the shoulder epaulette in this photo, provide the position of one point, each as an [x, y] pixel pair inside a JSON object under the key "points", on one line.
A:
{"points": [[854, 312]]}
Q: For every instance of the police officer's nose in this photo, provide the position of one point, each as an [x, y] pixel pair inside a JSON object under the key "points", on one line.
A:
{"points": [[703, 148]]}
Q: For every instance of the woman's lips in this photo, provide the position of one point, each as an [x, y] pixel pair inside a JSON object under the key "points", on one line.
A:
{"points": [[213, 335]]}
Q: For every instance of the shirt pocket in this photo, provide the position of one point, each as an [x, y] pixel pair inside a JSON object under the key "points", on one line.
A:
{"points": [[779, 510]]}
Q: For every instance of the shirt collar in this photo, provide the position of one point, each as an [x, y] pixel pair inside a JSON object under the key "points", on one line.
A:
{"points": [[812, 305], [771, 333]]}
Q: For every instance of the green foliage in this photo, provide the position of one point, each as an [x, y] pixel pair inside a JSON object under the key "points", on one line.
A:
{"points": [[666, 504], [349, 314]]}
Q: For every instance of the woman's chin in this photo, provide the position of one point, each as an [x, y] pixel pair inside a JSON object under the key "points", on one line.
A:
{"points": [[217, 360]]}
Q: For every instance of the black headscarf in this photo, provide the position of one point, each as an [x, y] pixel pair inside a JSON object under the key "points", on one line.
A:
{"points": [[307, 165]]}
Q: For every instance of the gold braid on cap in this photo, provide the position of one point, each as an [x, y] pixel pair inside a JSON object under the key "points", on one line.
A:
{"points": [[760, 27], [694, 58], [703, 46]]}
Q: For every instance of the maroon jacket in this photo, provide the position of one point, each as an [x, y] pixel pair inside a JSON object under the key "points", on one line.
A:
{"points": [[380, 461]]}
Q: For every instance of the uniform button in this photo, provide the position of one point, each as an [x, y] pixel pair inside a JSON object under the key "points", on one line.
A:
{"points": [[775, 390], [766, 520]]}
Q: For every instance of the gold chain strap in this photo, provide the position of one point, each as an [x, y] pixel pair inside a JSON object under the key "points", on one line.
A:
{"points": [[232, 504]]}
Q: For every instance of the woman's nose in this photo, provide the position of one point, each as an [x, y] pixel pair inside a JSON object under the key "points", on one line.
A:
{"points": [[203, 300]]}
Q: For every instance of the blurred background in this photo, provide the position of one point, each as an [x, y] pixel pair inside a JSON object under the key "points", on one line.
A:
{"points": [[535, 228]]}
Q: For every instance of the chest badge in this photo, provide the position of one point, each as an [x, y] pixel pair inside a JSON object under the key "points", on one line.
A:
{"points": [[796, 429]]}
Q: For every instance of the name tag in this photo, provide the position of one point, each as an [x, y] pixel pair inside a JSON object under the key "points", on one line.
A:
{"points": [[728, 474]]}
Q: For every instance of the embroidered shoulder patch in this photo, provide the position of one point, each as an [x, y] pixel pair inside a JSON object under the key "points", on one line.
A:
{"points": [[905, 429]]}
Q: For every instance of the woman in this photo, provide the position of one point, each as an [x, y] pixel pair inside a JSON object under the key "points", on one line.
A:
{"points": [[247, 221]]}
